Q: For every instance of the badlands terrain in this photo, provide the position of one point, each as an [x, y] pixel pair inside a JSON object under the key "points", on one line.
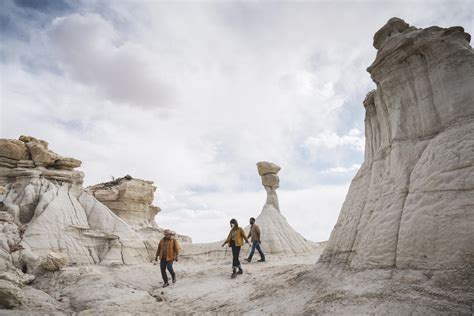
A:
{"points": [[403, 243]]}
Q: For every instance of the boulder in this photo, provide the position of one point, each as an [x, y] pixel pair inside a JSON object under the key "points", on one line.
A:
{"points": [[67, 163], [13, 149], [265, 167], [54, 261], [41, 156]]}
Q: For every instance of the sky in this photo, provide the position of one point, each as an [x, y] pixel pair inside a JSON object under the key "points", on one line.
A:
{"points": [[191, 95]]}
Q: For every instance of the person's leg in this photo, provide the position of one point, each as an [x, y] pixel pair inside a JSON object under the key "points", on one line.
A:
{"points": [[169, 266], [234, 257], [252, 251], [163, 271], [237, 259], [260, 251], [234, 261]]}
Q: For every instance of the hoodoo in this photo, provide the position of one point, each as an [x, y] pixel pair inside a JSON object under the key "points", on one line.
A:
{"points": [[277, 235]]}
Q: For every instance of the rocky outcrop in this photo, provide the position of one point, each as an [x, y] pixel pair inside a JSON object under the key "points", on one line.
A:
{"points": [[44, 197], [131, 199]]}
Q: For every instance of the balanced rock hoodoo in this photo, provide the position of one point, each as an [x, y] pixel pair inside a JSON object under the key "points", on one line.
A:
{"points": [[277, 235]]}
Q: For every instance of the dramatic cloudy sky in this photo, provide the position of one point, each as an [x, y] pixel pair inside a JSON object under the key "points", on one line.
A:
{"points": [[192, 94]]}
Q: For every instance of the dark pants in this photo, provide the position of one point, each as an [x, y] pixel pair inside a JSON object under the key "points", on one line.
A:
{"points": [[235, 255], [256, 245], [166, 265]]}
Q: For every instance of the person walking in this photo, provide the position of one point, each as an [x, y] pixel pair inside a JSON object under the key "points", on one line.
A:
{"points": [[168, 250], [235, 239], [255, 234]]}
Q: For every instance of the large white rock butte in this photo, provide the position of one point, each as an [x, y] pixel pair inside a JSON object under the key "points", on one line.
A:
{"points": [[411, 205]]}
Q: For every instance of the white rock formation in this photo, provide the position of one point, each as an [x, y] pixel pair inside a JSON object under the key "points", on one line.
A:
{"points": [[411, 205], [131, 199], [44, 195], [278, 237]]}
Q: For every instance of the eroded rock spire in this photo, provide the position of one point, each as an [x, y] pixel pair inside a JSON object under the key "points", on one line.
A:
{"points": [[270, 180]]}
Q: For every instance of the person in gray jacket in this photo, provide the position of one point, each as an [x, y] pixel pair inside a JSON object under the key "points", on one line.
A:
{"points": [[255, 235]]}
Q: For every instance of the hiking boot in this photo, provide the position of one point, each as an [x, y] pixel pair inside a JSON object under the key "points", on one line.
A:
{"points": [[240, 271], [233, 275], [248, 260], [166, 284], [261, 260], [174, 280]]}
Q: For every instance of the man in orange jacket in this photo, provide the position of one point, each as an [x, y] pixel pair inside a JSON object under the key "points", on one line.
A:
{"points": [[168, 250]]}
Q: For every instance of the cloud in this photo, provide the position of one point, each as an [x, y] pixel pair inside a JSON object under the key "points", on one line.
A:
{"points": [[351, 169], [330, 140], [192, 95], [312, 211], [93, 52]]}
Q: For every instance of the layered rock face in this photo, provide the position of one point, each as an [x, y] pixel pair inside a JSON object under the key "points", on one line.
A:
{"points": [[131, 199], [277, 235], [43, 196], [411, 205]]}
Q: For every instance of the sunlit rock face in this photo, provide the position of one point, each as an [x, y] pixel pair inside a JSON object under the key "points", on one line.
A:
{"points": [[411, 205], [44, 197]]}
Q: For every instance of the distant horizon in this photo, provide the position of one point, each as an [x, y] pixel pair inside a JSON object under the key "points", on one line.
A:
{"points": [[192, 95]]}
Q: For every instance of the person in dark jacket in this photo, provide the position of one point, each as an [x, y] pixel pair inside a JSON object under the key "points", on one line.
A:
{"points": [[168, 250], [235, 239], [255, 234]]}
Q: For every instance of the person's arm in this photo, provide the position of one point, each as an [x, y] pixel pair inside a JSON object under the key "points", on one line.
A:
{"points": [[250, 232], [227, 239], [176, 249], [243, 234], [158, 251], [257, 232]]}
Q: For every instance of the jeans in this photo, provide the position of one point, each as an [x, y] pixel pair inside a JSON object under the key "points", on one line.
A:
{"points": [[256, 245], [235, 255], [166, 265]]}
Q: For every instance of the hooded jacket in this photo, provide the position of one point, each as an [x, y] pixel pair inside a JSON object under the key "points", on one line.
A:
{"points": [[172, 250], [239, 237]]}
